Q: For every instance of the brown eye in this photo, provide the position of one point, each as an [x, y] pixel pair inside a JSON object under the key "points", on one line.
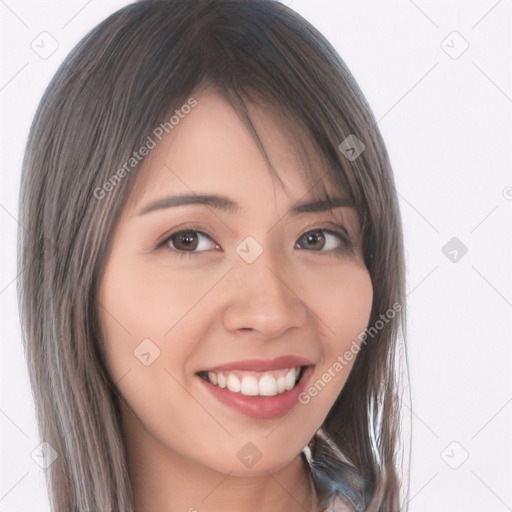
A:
{"points": [[323, 240], [313, 239], [189, 240], [185, 240]]}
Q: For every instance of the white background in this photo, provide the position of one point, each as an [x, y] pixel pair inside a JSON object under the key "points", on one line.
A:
{"points": [[447, 125]]}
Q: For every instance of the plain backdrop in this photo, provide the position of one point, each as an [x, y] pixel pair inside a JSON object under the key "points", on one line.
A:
{"points": [[437, 75]]}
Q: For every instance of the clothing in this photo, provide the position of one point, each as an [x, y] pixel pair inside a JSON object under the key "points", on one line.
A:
{"points": [[339, 504], [340, 496]]}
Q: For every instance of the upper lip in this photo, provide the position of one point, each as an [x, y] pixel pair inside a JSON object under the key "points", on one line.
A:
{"points": [[262, 365]]}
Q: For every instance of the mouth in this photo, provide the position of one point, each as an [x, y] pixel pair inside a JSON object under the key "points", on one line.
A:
{"points": [[255, 383], [259, 389]]}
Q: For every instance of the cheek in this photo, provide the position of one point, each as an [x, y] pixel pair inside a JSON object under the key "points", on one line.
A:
{"points": [[150, 299], [350, 308], [152, 321], [140, 313], [342, 301], [150, 329], [343, 309], [140, 301]]}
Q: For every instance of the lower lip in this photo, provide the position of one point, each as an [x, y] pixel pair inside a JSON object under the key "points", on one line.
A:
{"points": [[261, 406]]}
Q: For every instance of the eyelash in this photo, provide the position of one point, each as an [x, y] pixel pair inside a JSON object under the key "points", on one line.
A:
{"points": [[347, 245]]}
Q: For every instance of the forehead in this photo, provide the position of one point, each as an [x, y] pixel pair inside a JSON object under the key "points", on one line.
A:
{"points": [[213, 147]]}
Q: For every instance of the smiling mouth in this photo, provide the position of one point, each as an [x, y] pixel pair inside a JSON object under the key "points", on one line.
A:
{"points": [[251, 383]]}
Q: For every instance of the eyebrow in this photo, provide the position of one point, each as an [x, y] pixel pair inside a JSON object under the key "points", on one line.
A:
{"points": [[228, 205]]}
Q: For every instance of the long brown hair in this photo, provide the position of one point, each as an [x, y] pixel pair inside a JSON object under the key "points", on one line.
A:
{"points": [[124, 79]]}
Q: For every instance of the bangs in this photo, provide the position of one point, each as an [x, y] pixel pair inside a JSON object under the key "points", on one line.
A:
{"points": [[318, 172]]}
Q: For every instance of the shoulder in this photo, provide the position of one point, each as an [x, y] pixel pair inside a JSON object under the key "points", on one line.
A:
{"points": [[339, 504]]}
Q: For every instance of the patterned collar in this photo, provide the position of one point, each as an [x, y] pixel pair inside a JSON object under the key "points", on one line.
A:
{"points": [[332, 495]]}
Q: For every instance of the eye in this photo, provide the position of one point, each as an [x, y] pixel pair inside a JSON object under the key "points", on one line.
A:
{"points": [[189, 240], [323, 240]]}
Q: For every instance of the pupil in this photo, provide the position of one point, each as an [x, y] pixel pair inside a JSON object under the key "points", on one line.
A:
{"points": [[315, 237], [188, 239]]}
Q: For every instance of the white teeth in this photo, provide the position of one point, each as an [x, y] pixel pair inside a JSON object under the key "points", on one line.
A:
{"points": [[221, 380], [289, 381], [269, 384], [233, 383], [249, 386]]}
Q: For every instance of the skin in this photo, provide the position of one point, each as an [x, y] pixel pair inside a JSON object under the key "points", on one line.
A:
{"points": [[211, 307]]}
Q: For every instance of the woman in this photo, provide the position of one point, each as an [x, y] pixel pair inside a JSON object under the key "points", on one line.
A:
{"points": [[213, 283]]}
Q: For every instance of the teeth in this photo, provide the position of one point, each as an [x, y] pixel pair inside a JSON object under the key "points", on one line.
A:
{"points": [[289, 381], [221, 380], [268, 385], [233, 383], [247, 383], [249, 386]]}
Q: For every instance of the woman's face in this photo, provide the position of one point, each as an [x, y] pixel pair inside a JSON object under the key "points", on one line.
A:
{"points": [[248, 290]]}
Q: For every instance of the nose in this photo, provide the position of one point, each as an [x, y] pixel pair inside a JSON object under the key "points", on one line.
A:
{"points": [[264, 299]]}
